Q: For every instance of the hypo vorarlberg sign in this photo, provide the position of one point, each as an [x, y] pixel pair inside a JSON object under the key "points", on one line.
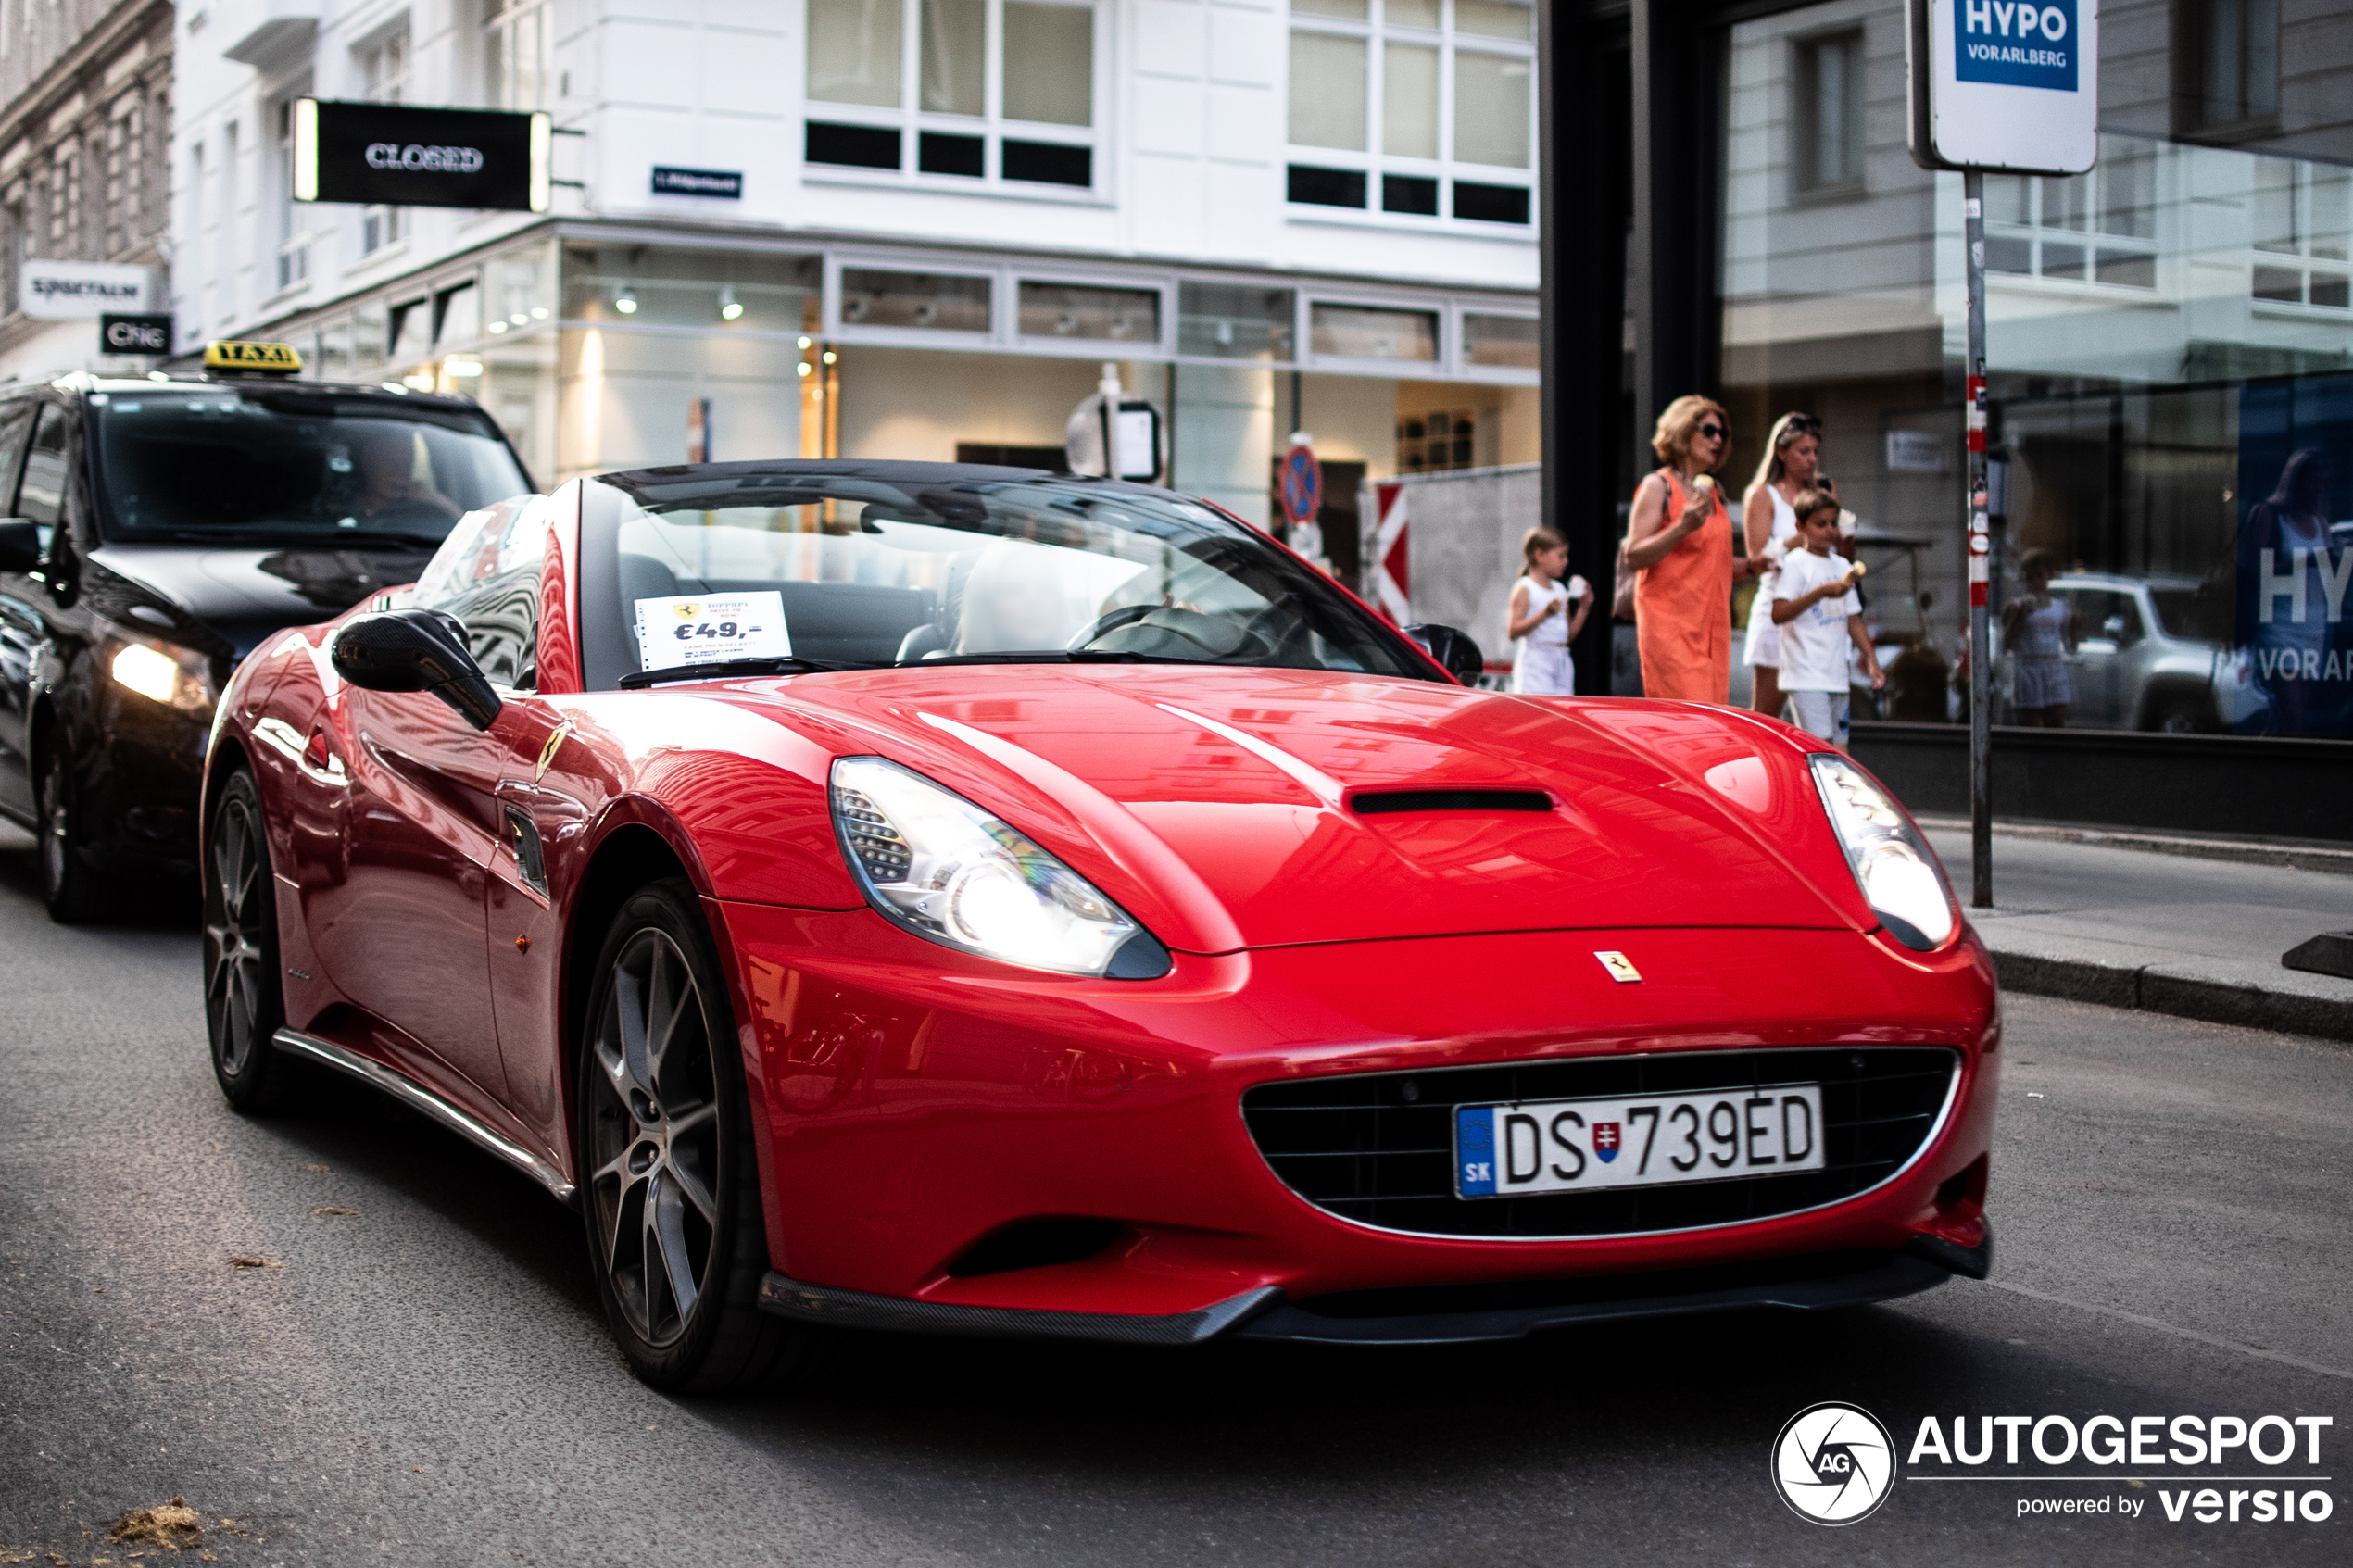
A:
{"points": [[2006, 84], [403, 157]]}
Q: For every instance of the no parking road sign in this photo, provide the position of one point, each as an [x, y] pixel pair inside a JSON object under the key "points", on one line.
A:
{"points": [[1303, 484]]}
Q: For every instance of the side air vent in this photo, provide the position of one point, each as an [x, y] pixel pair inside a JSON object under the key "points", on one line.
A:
{"points": [[1374, 803]]}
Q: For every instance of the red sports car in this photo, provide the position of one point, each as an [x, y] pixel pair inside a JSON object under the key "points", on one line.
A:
{"points": [[933, 898]]}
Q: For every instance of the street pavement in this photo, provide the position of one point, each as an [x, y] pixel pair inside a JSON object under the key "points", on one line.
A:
{"points": [[2171, 933], [426, 1378]]}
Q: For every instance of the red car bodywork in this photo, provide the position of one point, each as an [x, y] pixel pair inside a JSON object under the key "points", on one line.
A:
{"points": [[913, 1099]]}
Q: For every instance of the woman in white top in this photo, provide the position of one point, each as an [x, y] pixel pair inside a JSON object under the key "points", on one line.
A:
{"points": [[1793, 454], [1543, 617]]}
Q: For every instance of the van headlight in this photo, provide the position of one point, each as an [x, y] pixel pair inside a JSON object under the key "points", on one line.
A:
{"points": [[1892, 864], [176, 677], [930, 861]]}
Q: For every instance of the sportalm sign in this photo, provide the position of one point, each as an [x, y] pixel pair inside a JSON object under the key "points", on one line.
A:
{"points": [[2005, 84], [399, 155]]}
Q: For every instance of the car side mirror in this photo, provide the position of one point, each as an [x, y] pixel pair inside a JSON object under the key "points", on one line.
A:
{"points": [[20, 544], [1455, 652], [2114, 629], [415, 650]]}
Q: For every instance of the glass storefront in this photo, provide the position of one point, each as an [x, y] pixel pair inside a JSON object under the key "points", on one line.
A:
{"points": [[2170, 363]]}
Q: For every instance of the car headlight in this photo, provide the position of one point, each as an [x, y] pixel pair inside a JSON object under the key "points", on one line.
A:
{"points": [[176, 677], [1897, 871], [934, 862]]}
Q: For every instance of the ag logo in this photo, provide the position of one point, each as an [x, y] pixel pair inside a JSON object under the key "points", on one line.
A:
{"points": [[1833, 1463]]}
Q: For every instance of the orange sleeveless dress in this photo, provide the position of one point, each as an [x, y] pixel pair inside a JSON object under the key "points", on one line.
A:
{"points": [[1683, 606]]}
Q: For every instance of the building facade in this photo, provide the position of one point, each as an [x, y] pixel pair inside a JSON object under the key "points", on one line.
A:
{"points": [[85, 122], [2169, 336], [907, 228]]}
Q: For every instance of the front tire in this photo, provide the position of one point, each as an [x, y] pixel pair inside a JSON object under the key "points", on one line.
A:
{"points": [[245, 999], [672, 1190], [67, 886]]}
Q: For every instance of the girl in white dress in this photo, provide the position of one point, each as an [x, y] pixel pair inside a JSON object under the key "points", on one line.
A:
{"points": [[1543, 617], [1793, 456]]}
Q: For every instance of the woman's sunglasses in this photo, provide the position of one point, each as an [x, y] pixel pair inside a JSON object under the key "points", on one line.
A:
{"points": [[1794, 425], [1713, 432]]}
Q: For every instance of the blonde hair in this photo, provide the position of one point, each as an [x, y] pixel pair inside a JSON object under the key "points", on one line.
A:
{"points": [[1672, 438], [1538, 541], [1780, 439]]}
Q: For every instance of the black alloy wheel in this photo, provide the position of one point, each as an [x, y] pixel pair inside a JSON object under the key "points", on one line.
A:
{"points": [[68, 885], [244, 995], [672, 1190]]}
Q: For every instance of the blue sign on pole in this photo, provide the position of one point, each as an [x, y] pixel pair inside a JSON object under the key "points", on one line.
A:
{"points": [[2016, 45], [1303, 486]]}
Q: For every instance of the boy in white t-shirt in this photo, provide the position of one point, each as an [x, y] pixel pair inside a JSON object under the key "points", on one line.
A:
{"points": [[1816, 607]]}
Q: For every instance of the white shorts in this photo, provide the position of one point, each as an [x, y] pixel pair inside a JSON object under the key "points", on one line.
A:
{"points": [[1821, 714]]}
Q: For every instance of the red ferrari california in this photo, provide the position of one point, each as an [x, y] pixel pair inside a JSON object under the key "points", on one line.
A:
{"points": [[890, 896]]}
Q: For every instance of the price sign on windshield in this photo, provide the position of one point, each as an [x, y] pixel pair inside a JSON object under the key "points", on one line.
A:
{"points": [[705, 628]]}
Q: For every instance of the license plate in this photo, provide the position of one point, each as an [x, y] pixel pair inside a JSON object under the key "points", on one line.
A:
{"points": [[1637, 1141]]}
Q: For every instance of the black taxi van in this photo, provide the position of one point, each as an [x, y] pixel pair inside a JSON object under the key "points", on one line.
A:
{"points": [[151, 531]]}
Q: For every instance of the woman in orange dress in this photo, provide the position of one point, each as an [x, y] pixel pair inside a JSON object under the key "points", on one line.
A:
{"points": [[1680, 542]]}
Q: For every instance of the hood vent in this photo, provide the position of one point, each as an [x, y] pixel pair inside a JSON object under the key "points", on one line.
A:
{"points": [[1382, 802]]}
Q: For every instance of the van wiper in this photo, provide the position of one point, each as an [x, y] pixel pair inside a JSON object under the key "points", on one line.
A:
{"points": [[712, 668]]}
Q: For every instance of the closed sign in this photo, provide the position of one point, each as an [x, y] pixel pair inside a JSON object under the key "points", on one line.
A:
{"points": [[401, 156]]}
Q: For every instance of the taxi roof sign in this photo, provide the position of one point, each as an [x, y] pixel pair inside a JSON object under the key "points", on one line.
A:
{"points": [[265, 359]]}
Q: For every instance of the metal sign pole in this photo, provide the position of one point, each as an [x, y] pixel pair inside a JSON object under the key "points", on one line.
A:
{"points": [[1981, 545]]}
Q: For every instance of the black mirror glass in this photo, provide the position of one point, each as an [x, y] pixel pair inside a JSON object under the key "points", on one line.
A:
{"points": [[1453, 650]]}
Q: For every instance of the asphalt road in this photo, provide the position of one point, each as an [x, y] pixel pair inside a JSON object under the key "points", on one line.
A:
{"points": [[428, 1380]]}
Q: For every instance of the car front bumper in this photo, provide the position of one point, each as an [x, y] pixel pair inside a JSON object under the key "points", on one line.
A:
{"points": [[914, 1102]]}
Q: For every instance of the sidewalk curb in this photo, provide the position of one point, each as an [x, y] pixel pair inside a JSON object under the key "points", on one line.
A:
{"points": [[2150, 988], [2287, 856]]}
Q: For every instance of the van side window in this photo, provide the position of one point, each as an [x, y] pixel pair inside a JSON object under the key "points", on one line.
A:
{"points": [[41, 495], [16, 419]]}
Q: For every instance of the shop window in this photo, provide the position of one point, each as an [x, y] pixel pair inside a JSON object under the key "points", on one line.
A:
{"points": [[1434, 442], [2088, 227], [1508, 342], [2231, 64], [923, 301], [1397, 95], [1070, 311], [383, 75], [1235, 321], [1828, 115], [1355, 332], [517, 44], [995, 93]]}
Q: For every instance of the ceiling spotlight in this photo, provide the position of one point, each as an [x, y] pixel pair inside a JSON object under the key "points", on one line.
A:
{"points": [[829, 356], [729, 306], [538, 312], [804, 342], [497, 326], [625, 301], [520, 320], [804, 367]]}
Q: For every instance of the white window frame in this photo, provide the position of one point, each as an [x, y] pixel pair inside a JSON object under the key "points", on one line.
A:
{"points": [[911, 121], [493, 89], [390, 224], [1373, 162], [1162, 348], [2090, 239], [997, 336], [1443, 362], [1457, 358], [2301, 260]]}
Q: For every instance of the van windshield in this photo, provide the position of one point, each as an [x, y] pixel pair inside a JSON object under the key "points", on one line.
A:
{"points": [[286, 464]]}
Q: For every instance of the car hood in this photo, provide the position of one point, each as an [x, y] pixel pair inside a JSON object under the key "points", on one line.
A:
{"points": [[242, 594], [1252, 808]]}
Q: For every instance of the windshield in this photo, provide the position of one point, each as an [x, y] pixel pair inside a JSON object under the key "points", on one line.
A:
{"points": [[871, 573], [286, 464]]}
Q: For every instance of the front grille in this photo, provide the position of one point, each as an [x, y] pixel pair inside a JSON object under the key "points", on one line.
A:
{"points": [[1378, 1148]]}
